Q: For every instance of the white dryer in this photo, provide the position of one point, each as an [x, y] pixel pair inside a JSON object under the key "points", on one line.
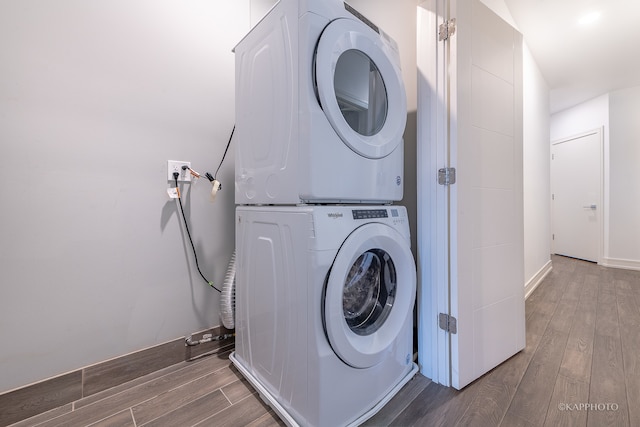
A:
{"points": [[324, 309], [320, 108]]}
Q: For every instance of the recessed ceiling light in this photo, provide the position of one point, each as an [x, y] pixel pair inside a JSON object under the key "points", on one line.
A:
{"points": [[589, 18]]}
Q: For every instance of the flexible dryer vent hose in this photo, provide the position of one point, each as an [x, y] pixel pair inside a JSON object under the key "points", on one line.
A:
{"points": [[228, 295]]}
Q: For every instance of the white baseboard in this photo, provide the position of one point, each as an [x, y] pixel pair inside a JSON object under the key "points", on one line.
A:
{"points": [[537, 278], [627, 264]]}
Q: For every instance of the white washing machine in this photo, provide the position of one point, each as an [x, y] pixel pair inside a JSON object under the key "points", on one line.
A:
{"points": [[320, 108], [324, 309]]}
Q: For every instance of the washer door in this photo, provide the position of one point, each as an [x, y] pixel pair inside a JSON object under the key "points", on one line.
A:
{"points": [[369, 293], [360, 88]]}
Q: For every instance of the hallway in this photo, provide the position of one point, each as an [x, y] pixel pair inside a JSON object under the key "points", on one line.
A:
{"points": [[581, 365]]}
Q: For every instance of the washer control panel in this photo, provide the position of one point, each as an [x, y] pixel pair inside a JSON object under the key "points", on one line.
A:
{"points": [[394, 214], [371, 213]]}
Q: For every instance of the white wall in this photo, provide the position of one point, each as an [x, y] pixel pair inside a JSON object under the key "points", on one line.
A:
{"points": [[536, 170], [581, 118], [624, 203], [95, 97]]}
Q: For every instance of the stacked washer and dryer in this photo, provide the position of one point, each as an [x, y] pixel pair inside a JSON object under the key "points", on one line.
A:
{"points": [[326, 281]]}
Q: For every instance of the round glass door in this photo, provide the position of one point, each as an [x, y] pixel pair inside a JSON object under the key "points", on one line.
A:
{"points": [[360, 88], [369, 294], [360, 92]]}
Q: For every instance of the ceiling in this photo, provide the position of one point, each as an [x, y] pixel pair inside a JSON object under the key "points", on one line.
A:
{"points": [[581, 61]]}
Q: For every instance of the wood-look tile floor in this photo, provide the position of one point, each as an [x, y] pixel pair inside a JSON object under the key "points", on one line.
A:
{"points": [[205, 392], [581, 367]]}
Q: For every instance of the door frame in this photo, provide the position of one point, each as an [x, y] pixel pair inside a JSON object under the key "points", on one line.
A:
{"points": [[601, 188], [434, 344]]}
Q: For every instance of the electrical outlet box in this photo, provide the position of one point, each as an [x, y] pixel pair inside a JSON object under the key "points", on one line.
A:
{"points": [[176, 166]]}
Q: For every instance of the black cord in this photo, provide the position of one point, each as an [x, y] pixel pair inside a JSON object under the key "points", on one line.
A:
{"points": [[195, 256], [215, 175]]}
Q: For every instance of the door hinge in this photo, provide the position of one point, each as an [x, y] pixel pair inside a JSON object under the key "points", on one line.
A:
{"points": [[448, 323], [447, 29], [447, 176]]}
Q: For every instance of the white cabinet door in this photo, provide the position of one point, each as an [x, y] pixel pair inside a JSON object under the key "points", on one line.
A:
{"points": [[471, 120]]}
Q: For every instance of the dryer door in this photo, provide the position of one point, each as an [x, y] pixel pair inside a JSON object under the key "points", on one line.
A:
{"points": [[360, 88], [369, 294]]}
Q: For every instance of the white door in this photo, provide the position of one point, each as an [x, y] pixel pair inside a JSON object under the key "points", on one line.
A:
{"points": [[471, 120], [576, 183]]}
